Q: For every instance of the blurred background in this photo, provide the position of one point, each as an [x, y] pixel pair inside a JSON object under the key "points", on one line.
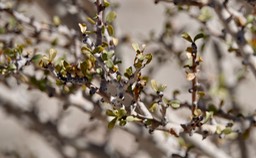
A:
{"points": [[34, 125]]}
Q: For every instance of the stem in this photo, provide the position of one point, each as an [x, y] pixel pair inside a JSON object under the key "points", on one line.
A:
{"points": [[194, 81], [99, 24]]}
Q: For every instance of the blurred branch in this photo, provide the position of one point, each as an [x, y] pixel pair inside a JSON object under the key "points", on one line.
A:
{"points": [[206, 146]]}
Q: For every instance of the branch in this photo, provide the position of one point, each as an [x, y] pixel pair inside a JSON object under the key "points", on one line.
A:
{"points": [[206, 146]]}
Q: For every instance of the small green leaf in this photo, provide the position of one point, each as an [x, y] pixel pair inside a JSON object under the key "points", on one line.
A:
{"points": [[111, 16], [227, 130], [122, 122], [85, 49], [140, 56], [54, 42], [104, 56], [110, 30], [136, 47], [112, 123], [56, 20], [175, 93], [12, 67], [83, 28], [175, 104], [90, 20], [218, 130], [212, 108], [201, 94], [109, 63], [138, 65], [121, 113], [132, 119], [205, 14], [52, 54], [153, 107], [154, 85], [148, 122], [149, 58], [106, 3], [128, 72], [197, 112], [98, 49], [161, 88], [198, 36], [250, 19], [187, 37], [65, 64], [208, 116], [110, 113], [36, 58], [190, 76]]}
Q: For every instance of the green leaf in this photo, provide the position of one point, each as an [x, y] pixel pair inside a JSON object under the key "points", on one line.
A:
{"points": [[148, 122], [190, 76], [104, 56], [106, 3], [111, 16], [218, 130], [153, 107], [161, 87], [212, 108], [36, 58], [54, 42], [197, 112], [12, 67], [98, 49], [122, 122], [83, 28], [198, 36], [250, 19], [112, 123], [205, 14], [149, 58], [140, 56], [138, 65], [201, 94], [208, 116], [109, 63], [175, 104], [56, 20], [110, 113], [66, 64], [52, 54], [83, 67], [121, 113], [85, 49], [110, 30], [154, 85], [132, 119], [227, 130], [187, 37], [91, 21], [19, 49], [128, 72], [136, 47]]}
